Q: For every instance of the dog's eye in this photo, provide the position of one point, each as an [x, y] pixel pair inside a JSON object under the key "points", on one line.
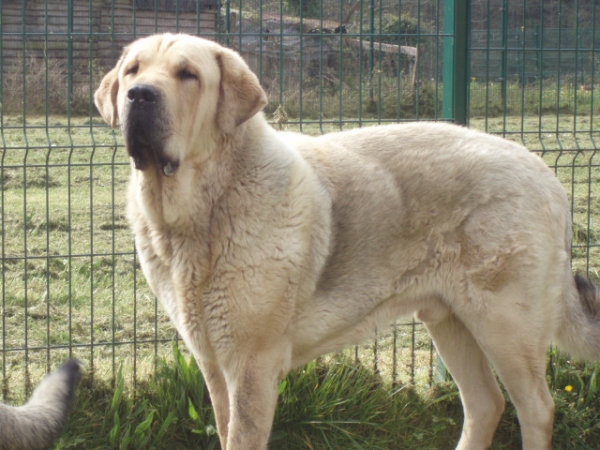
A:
{"points": [[185, 74], [132, 70]]}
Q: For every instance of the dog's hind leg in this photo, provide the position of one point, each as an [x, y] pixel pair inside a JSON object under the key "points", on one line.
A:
{"points": [[516, 344], [482, 399]]}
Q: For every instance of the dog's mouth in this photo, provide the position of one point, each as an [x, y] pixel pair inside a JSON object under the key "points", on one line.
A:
{"points": [[146, 149], [144, 156]]}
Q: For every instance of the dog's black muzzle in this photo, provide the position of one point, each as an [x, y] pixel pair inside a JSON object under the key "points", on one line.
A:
{"points": [[146, 126]]}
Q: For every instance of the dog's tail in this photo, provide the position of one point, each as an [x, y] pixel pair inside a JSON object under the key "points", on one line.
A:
{"points": [[38, 423], [579, 332]]}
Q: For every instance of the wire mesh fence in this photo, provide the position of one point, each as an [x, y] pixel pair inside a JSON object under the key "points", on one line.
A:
{"points": [[70, 282]]}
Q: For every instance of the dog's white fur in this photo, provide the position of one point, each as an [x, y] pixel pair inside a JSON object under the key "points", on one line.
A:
{"points": [[269, 249]]}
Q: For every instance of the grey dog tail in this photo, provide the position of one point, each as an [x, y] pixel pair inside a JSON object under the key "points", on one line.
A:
{"points": [[588, 294], [579, 332], [38, 423]]}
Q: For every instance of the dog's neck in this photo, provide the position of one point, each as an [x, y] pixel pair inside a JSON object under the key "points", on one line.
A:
{"points": [[174, 201]]}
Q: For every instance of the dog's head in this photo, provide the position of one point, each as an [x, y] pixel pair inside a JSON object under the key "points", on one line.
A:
{"points": [[172, 92]]}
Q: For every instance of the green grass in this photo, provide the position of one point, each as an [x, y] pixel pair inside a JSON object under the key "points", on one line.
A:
{"points": [[329, 404], [533, 99], [71, 284]]}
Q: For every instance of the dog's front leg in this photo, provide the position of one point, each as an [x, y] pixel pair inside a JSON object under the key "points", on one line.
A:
{"points": [[253, 398]]}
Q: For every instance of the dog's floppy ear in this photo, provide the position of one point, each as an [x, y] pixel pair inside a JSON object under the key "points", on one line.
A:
{"points": [[241, 95], [105, 97]]}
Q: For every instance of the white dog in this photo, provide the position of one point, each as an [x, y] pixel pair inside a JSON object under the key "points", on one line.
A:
{"points": [[269, 249]]}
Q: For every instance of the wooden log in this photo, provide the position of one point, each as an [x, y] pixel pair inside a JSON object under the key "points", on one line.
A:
{"points": [[382, 47]]}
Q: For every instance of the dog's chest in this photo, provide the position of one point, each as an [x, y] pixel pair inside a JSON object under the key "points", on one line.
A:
{"points": [[176, 264], [171, 230]]}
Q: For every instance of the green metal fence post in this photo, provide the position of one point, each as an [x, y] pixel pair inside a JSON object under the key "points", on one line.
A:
{"points": [[371, 49], [455, 74], [455, 82], [504, 53], [70, 31], [228, 21], [448, 61]]}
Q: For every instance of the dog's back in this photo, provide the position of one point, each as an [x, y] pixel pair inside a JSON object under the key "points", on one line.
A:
{"points": [[38, 423]]}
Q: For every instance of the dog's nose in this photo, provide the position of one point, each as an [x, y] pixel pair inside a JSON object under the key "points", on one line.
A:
{"points": [[141, 93]]}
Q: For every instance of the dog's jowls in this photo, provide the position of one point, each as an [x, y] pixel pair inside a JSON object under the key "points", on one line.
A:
{"points": [[268, 249]]}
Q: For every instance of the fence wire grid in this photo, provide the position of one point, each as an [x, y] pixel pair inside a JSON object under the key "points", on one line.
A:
{"points": [[70, 282]]}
